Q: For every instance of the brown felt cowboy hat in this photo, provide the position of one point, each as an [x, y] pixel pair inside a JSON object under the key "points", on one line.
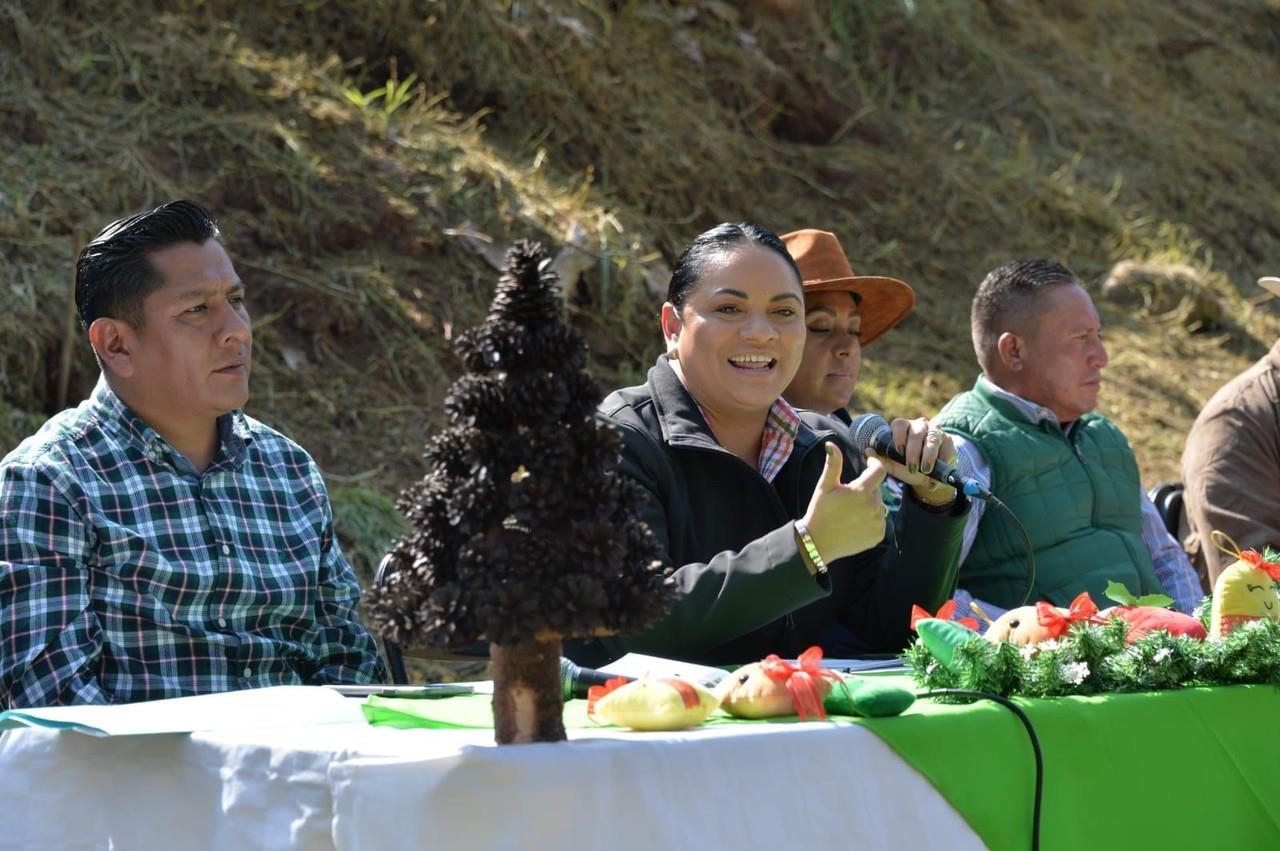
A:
{"points": [[883, 302]]}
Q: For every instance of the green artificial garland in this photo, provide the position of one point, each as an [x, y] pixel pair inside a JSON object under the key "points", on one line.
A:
{"points": [[1094, 659]]}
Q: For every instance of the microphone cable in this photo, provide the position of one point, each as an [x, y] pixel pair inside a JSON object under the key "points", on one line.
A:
{"points": [[1026, 542], [1031, 734], [872, 431]]}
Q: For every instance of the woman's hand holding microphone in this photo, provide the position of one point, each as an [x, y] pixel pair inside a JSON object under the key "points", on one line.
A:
{"points": [[844, 519], [921, 443]]}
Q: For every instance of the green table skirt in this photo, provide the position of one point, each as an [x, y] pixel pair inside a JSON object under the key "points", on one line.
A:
{"points": [[1192, 768]]}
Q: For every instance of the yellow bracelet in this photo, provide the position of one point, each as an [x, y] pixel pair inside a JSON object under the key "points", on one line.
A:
{"points": [[810, 548]]}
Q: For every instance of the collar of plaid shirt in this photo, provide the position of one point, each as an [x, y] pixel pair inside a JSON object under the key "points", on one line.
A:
{"points": [[117, 418], [781, 426]]}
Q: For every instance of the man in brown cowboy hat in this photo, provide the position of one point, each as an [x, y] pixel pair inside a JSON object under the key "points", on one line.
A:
{"points": [[843, 313]]}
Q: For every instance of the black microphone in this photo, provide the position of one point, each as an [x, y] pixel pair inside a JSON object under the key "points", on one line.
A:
{"points": [[871, 431], [575, 680]]}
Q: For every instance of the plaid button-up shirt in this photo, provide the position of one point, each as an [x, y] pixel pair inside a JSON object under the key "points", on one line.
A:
{"points": [[127, 575], [779, 438]]}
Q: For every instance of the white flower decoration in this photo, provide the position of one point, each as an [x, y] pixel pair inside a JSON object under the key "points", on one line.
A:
{"points": [[1075, 672]]}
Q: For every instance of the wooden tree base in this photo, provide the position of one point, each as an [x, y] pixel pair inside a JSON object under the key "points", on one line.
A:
{"points": [[528, 701]]}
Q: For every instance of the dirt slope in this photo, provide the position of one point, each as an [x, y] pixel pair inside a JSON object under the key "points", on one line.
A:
{"points": [[368, 160]]}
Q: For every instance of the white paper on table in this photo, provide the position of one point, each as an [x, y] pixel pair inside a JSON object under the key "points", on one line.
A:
{"points": [[853, 666], [275, 706], [641, 666]]}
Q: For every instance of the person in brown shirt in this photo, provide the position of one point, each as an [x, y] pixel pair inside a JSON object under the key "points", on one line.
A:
{"points": [[1231, 465]]}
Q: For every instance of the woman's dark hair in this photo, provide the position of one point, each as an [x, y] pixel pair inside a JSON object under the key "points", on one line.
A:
{"points": [[114, 276], [693, 260]]}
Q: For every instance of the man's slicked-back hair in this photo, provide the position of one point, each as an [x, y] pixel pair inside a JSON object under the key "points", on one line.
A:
{"points": [[113, 273], [708, 244], [1006, 301]]}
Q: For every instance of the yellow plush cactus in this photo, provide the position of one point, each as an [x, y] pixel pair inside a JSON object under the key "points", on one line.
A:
{"points": [[657, 704], [1245, 590]]}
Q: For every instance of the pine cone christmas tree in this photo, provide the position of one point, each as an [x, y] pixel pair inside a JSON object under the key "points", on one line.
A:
{"points": [[523, 532]]}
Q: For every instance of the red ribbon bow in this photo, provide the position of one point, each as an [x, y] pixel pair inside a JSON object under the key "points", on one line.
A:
{"points": [[1255, 558], [945, 613], [801, 680], [594, 693], [1058, 622]]}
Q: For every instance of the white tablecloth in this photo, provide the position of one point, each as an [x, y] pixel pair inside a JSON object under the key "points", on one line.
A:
{"points": [[351, 786]]}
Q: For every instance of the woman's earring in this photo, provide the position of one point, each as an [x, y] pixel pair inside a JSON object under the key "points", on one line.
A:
{"points": [[673, 353]]}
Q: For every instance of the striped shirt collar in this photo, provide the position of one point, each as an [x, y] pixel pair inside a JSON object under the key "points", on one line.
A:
{"points": [[1033, 411], [781, 425], [780, 429]]}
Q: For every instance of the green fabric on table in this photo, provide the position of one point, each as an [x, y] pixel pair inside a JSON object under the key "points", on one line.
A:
{"points": [[1189, 768], [469, 712], [475, 712]]}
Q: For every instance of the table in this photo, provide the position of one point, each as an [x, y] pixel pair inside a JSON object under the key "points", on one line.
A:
{"points": [[1193, 768], [351, 786], [1187, 768]]}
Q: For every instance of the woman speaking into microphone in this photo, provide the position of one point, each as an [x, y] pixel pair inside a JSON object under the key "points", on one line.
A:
{"points": [[775, 527]]}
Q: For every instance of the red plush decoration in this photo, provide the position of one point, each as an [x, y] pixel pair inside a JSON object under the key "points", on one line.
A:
{"points": [[1144, 619], [945, 613]]}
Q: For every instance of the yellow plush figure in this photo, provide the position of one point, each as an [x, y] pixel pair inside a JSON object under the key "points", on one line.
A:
{"points": [[657, 704], [1245, 591]]}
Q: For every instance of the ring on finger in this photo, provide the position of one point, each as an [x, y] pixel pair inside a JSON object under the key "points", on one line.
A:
{"points": [[933, 434]]}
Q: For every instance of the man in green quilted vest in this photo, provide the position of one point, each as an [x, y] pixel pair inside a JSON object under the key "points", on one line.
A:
{"points": [[1027, 430]]}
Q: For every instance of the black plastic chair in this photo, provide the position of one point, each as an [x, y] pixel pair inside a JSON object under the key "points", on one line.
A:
{"points": [[1167, 498], [395, 658]]}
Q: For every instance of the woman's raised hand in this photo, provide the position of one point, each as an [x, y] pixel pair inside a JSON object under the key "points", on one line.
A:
{"points": [[846, 518], [922, 443]]}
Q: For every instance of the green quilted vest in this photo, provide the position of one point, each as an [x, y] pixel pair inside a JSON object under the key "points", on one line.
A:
{"points": [[1077, 498]]}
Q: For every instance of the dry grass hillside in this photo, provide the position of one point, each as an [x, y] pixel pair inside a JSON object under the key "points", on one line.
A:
{"points": [[368, 160]]}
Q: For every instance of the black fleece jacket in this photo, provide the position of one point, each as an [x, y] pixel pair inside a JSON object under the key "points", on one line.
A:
{"points": [[744, 591]]}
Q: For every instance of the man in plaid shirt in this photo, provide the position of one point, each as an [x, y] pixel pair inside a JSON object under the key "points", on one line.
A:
{"points": [[155, 541]]}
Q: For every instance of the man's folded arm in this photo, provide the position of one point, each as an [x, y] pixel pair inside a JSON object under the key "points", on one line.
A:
{"points": [[1172, 567], [1240, 499], [51, 640], [346, 650]]}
